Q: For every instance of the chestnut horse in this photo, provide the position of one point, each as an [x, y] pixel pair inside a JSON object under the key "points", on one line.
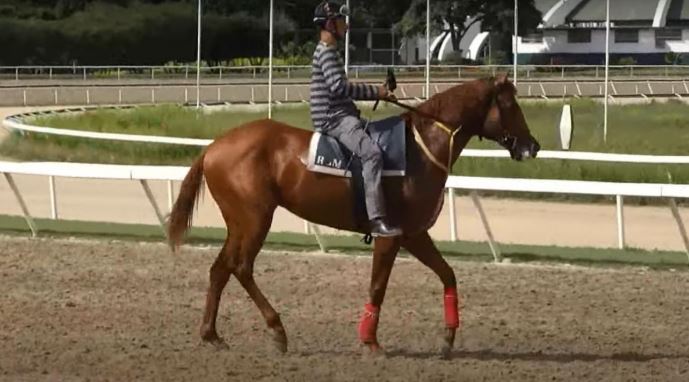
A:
{"points": [[254, 168]]}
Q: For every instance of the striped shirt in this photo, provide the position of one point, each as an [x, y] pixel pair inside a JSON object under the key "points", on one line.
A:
{"points": [[331, 92]]}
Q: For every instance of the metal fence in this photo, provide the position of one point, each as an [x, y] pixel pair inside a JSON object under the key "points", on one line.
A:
{"points": [[163, 91], [187, 72]]}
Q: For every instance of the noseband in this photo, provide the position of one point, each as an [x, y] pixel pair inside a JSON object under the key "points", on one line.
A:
{"points": [[507, 140]]}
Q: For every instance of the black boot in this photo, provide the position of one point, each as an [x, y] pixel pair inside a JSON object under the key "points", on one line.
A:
{"points": [[380, 229]]}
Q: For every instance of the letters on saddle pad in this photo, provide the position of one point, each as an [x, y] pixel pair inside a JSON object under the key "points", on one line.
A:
{"points": [[326, 155]]}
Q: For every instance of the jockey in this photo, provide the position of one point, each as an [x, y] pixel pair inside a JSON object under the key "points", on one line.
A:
{"points": [[333, 112]]}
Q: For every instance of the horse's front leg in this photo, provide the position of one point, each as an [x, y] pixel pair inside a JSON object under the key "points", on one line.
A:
{"points": [[384, 253], [421, 246]]}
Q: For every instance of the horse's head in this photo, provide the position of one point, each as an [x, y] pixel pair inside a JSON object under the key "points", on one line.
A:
{"points": [[505, 123]]}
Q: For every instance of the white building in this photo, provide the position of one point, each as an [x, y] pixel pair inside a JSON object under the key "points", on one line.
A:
{"points": [[573, 32]]}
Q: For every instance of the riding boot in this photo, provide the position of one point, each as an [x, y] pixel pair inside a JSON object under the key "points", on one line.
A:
{"points": [[379, 228]]}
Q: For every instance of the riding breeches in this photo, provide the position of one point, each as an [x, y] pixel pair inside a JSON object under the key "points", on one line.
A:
{"points": [[349, 131]]}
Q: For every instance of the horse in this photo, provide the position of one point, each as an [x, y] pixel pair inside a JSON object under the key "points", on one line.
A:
{"points": [[256, 167]]}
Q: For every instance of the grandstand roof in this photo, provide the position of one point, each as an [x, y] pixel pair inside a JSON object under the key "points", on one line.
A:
{"points": [[679, 10], [620, 11], [545, 5]]}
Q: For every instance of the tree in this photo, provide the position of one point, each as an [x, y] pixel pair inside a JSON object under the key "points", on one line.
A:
{"points": [[159, 31], [458, 16], [378, 14]]}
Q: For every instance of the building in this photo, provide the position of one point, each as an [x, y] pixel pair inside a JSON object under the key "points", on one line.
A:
{"points": [[573, 32]]}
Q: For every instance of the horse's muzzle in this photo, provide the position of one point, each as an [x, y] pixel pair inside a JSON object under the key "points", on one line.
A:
{"points": [[534, 148], [525, 150]]}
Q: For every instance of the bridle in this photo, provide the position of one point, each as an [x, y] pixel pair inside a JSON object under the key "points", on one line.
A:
{"points": [[507, 140]]}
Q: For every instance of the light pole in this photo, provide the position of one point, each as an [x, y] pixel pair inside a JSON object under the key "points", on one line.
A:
{"points": [[607, 63], [516, 39], [428, 49], [347, 41], [270, 65], [198, 60]]}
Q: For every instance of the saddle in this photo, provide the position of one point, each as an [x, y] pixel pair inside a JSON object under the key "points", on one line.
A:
{"points": [[326, 155]]}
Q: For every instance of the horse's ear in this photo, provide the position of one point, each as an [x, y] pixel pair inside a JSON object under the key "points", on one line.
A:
{"points": [[501, 79]]}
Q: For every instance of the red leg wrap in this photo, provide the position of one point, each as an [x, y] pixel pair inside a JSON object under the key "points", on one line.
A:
{"points": [[369, 324], [452, 318]]}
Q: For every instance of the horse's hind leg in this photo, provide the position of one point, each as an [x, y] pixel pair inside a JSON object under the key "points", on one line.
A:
{"points": [[220, 273], [254, 231], [421, 246]]}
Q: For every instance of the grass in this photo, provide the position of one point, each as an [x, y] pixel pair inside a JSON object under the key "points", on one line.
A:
{"points": [[655, 128], [473, 251], [166, 120]]}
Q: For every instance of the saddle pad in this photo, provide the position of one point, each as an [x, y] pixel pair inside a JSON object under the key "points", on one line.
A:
{"points": [[328, 156]]}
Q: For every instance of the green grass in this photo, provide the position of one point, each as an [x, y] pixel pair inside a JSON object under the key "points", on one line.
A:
{"points": [[463, 250], [173, 121], [656, 128]]}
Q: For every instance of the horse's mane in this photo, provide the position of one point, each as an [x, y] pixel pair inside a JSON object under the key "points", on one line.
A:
{"points": [[441, 100]]}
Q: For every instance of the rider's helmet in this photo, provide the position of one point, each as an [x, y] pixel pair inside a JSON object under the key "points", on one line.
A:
{"points": [[329, 10]]}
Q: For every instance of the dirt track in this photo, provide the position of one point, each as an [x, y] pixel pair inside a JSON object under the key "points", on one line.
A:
{"points": [[87, 310]]}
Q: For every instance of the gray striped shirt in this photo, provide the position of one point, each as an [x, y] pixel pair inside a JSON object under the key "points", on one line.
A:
{"points": [[331, 92]]}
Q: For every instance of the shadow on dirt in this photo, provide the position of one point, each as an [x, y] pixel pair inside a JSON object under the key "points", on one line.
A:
{"points": [[492, 355]]}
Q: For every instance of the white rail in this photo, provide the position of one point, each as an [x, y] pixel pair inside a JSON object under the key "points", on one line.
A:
{"points": [[556, 186], [175, 173], [15, 123]]}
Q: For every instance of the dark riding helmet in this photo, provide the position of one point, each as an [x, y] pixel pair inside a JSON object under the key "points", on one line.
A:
{"points": [[329, 10]]}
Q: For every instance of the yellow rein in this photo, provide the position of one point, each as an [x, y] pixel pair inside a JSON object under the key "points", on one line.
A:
{"points": [[427, 151]]}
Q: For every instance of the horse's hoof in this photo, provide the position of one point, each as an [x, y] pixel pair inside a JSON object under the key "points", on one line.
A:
{"points": [[446, 351], [448, 343], [217, 343], [373, 350], [280, 346], [280, 340]]}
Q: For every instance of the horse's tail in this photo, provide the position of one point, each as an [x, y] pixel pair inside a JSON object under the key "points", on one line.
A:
{"points": [[182, 213]]}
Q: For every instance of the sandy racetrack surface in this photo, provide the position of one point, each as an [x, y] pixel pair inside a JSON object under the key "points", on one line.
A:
{"points": [[98, 310]]}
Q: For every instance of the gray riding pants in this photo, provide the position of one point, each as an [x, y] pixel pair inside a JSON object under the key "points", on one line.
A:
{"points": [[349, 130]]}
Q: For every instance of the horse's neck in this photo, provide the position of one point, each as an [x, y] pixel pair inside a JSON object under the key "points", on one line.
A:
{"points": [[437, 140]]}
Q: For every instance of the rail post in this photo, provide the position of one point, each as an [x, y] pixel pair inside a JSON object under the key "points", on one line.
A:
{"points": [[170, 195], [495, 250], [620, 222], [154, 204], [22, 204], [53, 197], [453, 215], [680, 225]]}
